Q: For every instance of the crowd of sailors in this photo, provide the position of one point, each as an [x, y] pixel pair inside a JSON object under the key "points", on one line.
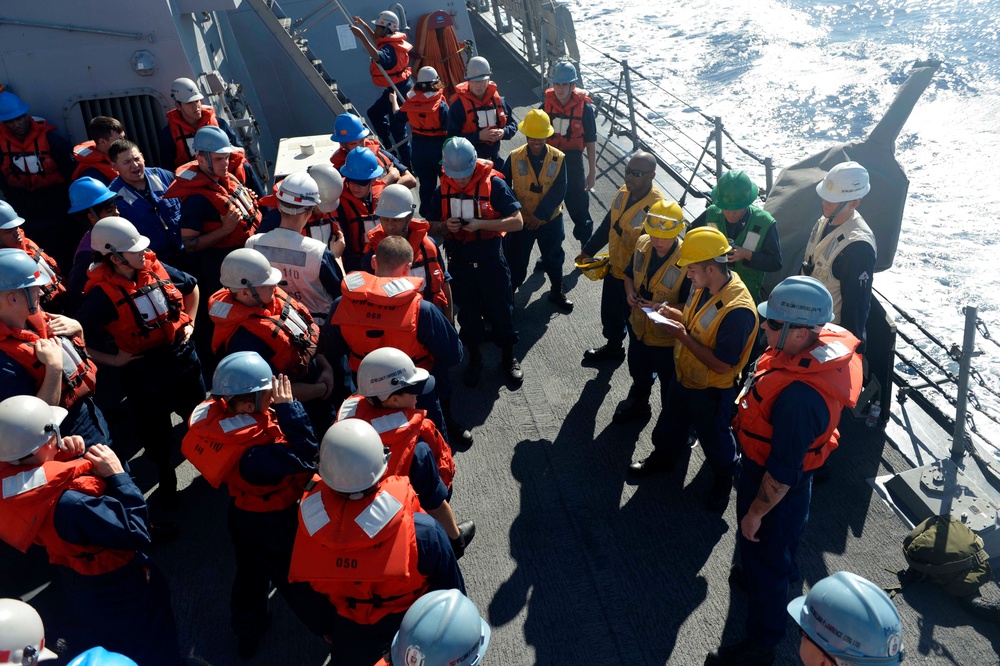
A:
{"points": [[307, 336]]}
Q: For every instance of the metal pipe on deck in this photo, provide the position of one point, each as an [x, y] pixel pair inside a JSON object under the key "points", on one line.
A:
{"points": [[964, 370], [718, 147]]}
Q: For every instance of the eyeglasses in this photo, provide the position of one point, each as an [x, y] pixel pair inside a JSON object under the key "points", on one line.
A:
{"points": [[636, 173], [776, 325]]}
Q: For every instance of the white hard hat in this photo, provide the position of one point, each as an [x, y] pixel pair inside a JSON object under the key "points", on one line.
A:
{"points": [[387, 20], [845, 182], [428, 75], [395, 201], [185, 90], [387, 370], [27, 423], [299, 189], [330, 183], [22, 636], [114, 235], [352, 457], [477, 69], [244, 267]]}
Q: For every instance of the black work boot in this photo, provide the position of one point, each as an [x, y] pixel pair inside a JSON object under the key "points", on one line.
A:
{"points": [[474, 370], [458, 435], [558, 297], [512, 366], [633, 408], [611, 351], [466, 533]]}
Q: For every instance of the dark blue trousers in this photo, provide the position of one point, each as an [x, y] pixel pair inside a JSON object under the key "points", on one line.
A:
{"points": [[425, 162], [710, 412], [481, 287], [390, 127], [614, 309], [645, 361], [769, 565], [518, 246], [577, 196]]}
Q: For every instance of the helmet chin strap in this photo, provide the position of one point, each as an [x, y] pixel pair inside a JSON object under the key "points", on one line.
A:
{"points": [[32, 304], [783, 337], [840, 207], [253, 292]]}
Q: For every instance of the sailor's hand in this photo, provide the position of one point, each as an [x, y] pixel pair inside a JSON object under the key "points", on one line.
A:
{"points": [[71, 446], [582, 258], [532, 222], [231, 218], [739, 254], [61, 325], [105, 461], [185, 335], [124, 358], [474, 224], [49, 353], [749, 527], [357, 32], [337, 243], [454, 225], [358, 20], [591, 180], [633, 300], [281, 389]]}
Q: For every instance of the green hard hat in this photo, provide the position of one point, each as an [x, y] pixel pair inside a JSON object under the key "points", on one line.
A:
{"points": [[734, 191]]}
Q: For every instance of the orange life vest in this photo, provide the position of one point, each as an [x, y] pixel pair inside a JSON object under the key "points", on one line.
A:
{"points": [[79, 373], [28, 504], [27, 163], [339, 158], [378, 312], [366, 575], [569, 115], [359, 218], [830, 366], [480, 114], [401, 71], [427, 263], [227, 190], [424, 113], [217, 439], [183, 134], [471, 201], [150, 309], [47, 266], [284, 325], [87, 156], [400, 430]]}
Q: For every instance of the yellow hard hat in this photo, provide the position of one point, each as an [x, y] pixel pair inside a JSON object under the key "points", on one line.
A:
{"points": [[702, 244], [596, 267], [665, 219], [536, 125]]}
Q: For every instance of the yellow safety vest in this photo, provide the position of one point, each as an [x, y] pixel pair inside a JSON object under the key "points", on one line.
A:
{"points": [[530, 188], [626, 227], [703, 325], [821, 253], [665, 286]]}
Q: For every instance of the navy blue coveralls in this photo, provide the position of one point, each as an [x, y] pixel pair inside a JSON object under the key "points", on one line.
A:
{"points": [[517, 245], [577, 196], [799, 415], [485, 151], [156, 218], [425, 154]]}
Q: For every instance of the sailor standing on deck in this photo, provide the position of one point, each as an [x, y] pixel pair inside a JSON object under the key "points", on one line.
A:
{"points": [[619, 230], [753, 233], [91, 156], [841, 250], [715, 334], [391, 51], [572, 116], [427, 112], [787, 427], [478, 113]]}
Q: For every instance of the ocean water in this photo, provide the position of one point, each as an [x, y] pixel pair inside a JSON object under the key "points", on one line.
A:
{"points": [[791, 78]]}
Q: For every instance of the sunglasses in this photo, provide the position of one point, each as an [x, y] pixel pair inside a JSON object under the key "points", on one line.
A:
{"points": [[776, 325], [636, 173]]}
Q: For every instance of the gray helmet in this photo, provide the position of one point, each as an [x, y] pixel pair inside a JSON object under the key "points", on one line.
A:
{"points": [[800, 300], [18, 270], [441, 627], [244, 267], [478, 69], [27, 423], [185, 90], [330, 183], [114, 235], [351, 456], [9, 219], [241, 373], [564, 72], [427, 75], [211, 139], [458, 157], [395, 201]]}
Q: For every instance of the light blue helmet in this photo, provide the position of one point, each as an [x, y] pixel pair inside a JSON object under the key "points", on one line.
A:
{"points": [[211, 139], [799, 300], [241, 373], [9, 219], [11, 106], [361, 164], [441, 627], [348, 127], [458, 157], [851, 619], [86, 193], [98, 656], [19, 271], [564, 72]]}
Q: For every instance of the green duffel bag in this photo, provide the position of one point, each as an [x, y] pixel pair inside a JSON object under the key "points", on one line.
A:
{"points": [[943, 551]]}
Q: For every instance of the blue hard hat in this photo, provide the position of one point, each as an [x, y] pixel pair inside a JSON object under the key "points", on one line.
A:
{"points": [[799, 300], [241, 373], [458, 157], [851, 619], [564, 72], [11, 106], [9, 219], [86, 193], [361, 164], [211, 139], [441, 627], [348, 127], [19, 271], [98, 656]]}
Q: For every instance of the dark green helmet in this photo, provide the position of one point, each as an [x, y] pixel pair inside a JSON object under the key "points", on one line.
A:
{"points": [[734, 191]]}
